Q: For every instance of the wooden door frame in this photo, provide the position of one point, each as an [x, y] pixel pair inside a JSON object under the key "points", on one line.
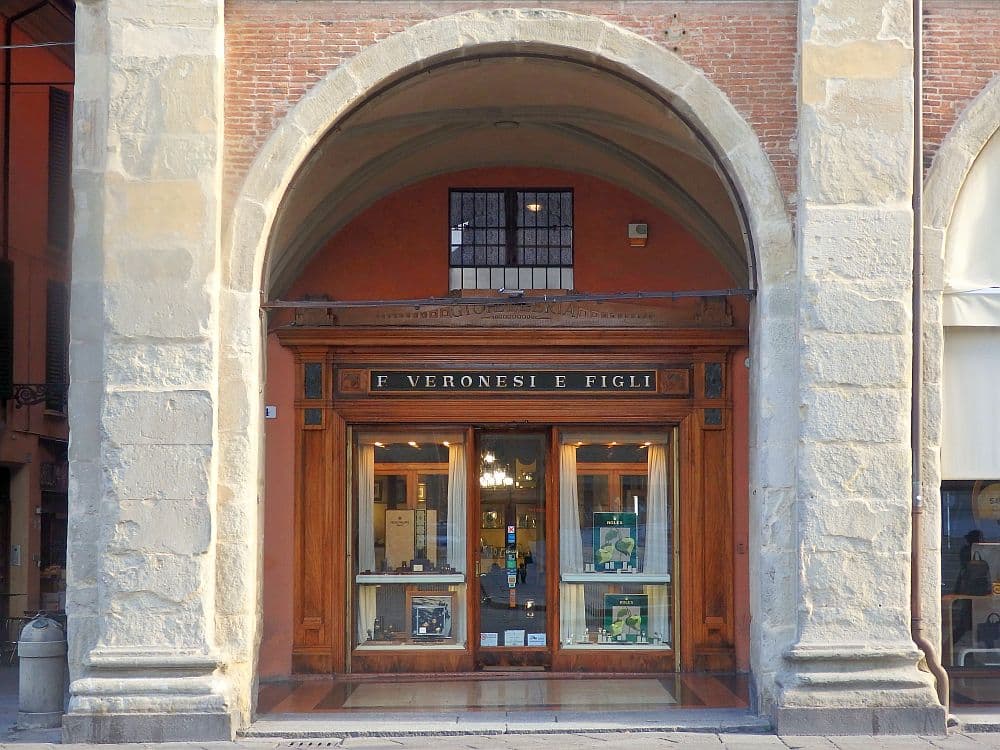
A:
{"points": [[705, 619]]}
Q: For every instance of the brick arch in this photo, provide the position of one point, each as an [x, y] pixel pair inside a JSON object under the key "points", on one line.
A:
{"points": [[977, 124], [590, 41]]}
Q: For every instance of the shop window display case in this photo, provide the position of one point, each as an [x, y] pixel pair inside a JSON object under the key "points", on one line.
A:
{"points": [[411, 557]]}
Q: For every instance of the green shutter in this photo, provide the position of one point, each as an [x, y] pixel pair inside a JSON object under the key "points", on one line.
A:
{"points": [[56, 345], [59, 168], [6, 330]]}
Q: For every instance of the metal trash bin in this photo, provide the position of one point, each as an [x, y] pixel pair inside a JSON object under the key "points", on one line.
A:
{"points": [[42, 652]]}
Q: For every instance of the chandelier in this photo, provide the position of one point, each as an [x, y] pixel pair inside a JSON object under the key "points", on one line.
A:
{"points": [[492, 475]]}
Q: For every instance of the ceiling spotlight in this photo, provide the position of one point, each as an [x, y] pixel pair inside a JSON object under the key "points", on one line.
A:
{"points": [[533, 207], [412, 444]]}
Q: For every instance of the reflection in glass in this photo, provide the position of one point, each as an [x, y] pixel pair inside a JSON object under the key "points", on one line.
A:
{"points": [[513, 598], [970, 587]]}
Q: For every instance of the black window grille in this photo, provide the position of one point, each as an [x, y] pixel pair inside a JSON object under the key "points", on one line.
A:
{"points": [[514, 238], [59, 169]]}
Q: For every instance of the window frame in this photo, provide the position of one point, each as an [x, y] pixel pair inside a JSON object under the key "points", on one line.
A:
{"points": [[511, 245]]}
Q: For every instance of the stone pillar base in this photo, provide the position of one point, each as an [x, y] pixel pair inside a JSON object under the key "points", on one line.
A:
{"points": [[922, 720], [146, 695], [136, 727], [844, 689]]}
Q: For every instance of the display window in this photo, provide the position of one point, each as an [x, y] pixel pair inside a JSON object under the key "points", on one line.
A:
{"points": [[410, 544], [612, 495], [616, 516], [970, 579]]}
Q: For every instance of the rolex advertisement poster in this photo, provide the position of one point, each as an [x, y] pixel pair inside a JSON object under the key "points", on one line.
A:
{"points": [[626, 617], [615, 542]]}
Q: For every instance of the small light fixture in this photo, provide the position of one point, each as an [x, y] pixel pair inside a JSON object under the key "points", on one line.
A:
{"points": [[533, 207], [412, 444], [638, 234], [446, 444], [379, 445]]}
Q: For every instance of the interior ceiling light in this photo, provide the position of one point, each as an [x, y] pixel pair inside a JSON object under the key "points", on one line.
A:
{"points": [[533, 207]]}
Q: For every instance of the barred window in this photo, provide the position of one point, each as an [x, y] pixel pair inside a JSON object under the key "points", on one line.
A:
{"points": [[511, 238]]}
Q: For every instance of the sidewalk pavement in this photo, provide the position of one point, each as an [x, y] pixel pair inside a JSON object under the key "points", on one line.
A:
{"points": [[573, 740]]}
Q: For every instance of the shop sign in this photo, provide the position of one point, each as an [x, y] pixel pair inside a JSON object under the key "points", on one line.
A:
{"points": [[514, 381]]}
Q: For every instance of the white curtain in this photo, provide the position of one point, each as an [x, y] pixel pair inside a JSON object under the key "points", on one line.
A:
{"points": [[657, 552], [572, 604], [457, 485], [366, 538]]}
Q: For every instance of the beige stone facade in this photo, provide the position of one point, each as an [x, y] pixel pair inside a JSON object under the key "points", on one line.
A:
{"points": [[169, 272]]}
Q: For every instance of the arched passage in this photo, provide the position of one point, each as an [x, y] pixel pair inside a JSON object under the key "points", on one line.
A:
{"points": [[254, 260], [961, 335]]}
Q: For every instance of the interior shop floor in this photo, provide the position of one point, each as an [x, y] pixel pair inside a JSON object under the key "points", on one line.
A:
{"points": [[499, 692]]}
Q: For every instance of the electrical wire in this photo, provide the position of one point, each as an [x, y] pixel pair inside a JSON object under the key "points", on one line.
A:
{"points": [[37, 44]]}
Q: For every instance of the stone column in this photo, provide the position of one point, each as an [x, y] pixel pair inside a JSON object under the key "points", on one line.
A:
{"points": [[144, 366], [854, 667]]}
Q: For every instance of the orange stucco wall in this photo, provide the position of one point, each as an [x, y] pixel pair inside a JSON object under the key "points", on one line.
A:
{"points": [[396, 249], [24, 431]]}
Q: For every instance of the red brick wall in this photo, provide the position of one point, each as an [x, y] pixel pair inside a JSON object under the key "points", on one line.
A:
{"points": [[961, 56], [276, 51]]}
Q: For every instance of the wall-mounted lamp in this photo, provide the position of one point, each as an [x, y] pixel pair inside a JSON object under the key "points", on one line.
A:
{"points": [[638, 234]]}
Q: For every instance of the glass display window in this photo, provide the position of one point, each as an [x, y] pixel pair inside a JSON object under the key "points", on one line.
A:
{"points": [[514, 595], [410, 511], [616, 509], [970, 579]]}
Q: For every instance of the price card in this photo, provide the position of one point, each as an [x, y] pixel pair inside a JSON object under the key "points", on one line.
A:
{"points": [[536, 639], [513, 637], [488, 639]]}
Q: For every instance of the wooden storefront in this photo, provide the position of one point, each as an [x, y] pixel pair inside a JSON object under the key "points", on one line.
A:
{"points": [[666, 368]]}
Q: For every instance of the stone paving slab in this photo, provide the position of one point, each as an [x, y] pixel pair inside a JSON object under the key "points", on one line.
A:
{"points": [[573, 741], [299, 726], [602, 741]]}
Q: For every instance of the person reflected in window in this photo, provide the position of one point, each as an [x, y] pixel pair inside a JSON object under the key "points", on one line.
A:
{"points": [[962, 609]]}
